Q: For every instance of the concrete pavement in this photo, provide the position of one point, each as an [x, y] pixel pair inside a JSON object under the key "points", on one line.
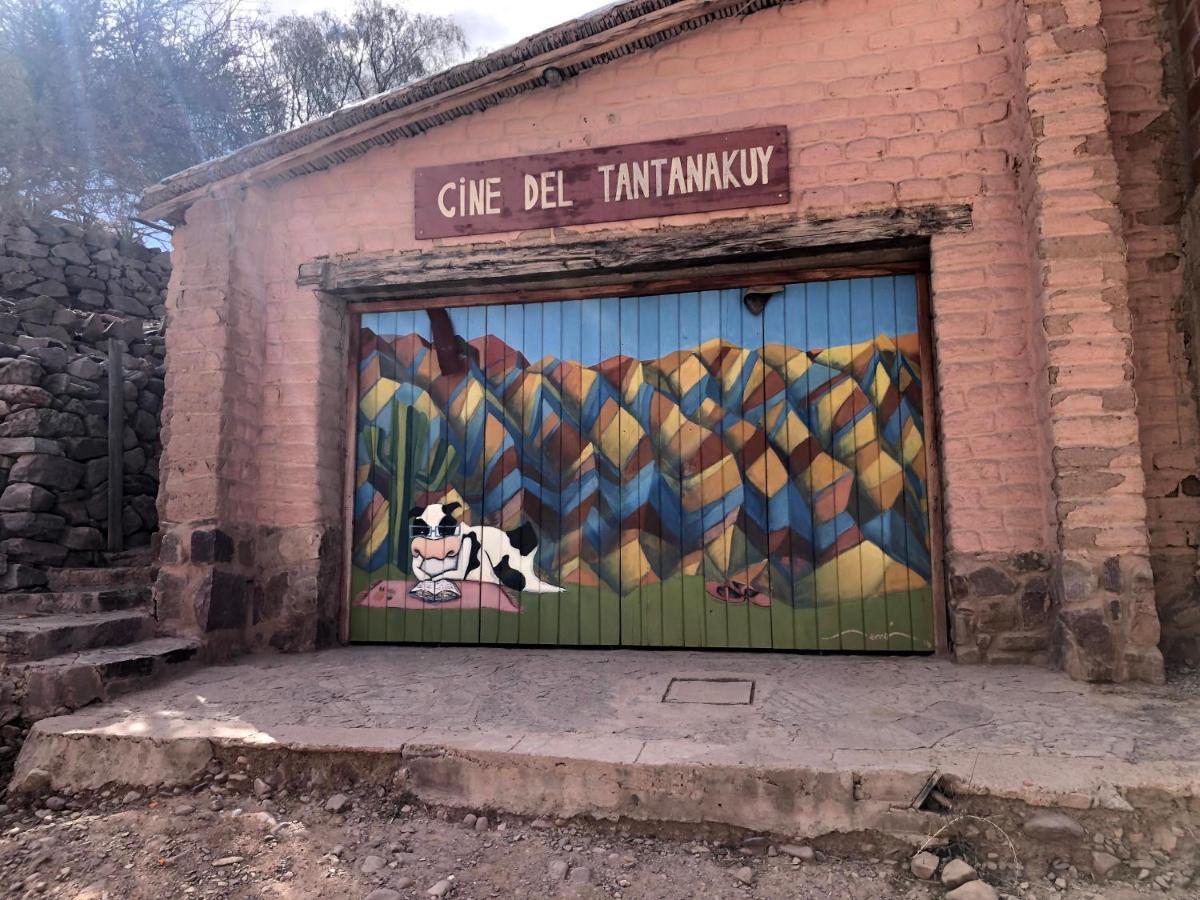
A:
{"points": [[827, 744]]}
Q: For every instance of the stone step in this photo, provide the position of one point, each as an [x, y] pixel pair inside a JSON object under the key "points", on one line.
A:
{"points": [[60, 684], [97, 599], [31, 636], [91, 578], [138, 556]]}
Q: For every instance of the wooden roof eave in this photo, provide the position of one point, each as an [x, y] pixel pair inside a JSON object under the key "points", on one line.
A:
{"points": [[163, 202]]}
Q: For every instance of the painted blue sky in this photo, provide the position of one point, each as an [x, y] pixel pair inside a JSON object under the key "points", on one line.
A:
{"points": [[806, 316]]}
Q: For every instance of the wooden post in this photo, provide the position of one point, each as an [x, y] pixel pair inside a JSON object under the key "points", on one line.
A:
{"points": [[116, 443]]}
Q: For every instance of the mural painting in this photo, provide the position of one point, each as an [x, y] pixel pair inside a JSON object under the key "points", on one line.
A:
{"points": [[671, 470]]}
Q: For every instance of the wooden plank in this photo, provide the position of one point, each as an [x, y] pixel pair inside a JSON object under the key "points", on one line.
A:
{"points": [[801, 556], [539, 623], [908, 615], [897, 604], [734, 325], [933, 478], [563, 325], [761, 620], [645, 320], [609, 504], [472, 322], [829, 628], [628, 520], [880, 293], [510, 514], [116, 444], [693, 597], [671, 623], [350, 434], [792, 333], [852, 595], [411, 624], [710, 488], [778, 580], [374, 619], [591, 602], [474, 268], [489, 514]]}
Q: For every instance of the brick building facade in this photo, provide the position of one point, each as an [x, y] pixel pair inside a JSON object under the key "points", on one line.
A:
{"points": [[1066, 423]]}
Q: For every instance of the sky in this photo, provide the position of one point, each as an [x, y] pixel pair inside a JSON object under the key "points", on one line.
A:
{"points": [[488, 24]]}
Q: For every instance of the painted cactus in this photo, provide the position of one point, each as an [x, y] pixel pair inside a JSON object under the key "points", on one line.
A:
{"points": [[408, 460]]}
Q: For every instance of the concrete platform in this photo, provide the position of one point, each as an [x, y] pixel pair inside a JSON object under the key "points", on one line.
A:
{"points": [[826, 744]]}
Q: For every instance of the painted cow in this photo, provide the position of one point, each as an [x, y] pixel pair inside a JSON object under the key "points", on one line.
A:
{"points": [[446, 551]]}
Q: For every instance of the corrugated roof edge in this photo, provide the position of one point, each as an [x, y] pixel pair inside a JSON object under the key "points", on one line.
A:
{"points": [[160, 198]]}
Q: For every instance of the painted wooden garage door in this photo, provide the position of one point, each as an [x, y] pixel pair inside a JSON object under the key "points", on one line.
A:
{"points": [[666, 470]]}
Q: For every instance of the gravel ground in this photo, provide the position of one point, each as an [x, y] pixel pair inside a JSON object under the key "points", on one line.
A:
{"points": [[1186, 680], [231, 837]]}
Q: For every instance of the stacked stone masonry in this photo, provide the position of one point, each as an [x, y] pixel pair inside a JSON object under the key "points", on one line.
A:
{"points": [[82, 268], [1066, 418], [54, 407]]}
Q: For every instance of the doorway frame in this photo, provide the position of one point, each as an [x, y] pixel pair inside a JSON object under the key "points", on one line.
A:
{"points": [[632, 283]]}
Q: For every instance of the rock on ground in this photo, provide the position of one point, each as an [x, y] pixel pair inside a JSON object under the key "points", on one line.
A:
{"points": [[958, 872], [373, 864], [798, 851], [924, 865], [973, 890], [1103, 863], [1053, 826], [337, 803]]}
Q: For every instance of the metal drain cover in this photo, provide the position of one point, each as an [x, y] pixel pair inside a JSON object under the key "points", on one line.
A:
{"points": [[715, 691]]}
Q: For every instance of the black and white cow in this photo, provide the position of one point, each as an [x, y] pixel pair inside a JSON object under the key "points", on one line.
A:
{"points": [[446, 551]]}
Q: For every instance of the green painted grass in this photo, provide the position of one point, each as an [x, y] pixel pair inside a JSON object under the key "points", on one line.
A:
{"points": [[675, 613]]}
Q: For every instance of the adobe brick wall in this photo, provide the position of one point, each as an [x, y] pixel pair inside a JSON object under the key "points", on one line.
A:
{"points": [[998, 103], [1180, 605], [1000, 593], [1185, 20], [1148, 139]]}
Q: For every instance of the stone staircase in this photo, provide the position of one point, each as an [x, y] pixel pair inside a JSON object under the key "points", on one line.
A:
{"points": [[89, 637]]}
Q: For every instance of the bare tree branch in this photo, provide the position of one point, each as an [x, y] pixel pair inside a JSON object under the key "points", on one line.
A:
{"points": [[102, 97]]}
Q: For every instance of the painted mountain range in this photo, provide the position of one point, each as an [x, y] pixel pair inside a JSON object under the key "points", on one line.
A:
{"points": [[801, 472]]}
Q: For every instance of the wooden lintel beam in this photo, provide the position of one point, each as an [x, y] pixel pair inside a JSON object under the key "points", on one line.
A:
{"points": [[495, 266]]}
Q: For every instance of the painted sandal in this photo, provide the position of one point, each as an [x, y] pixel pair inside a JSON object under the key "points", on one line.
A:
{"points": [[751, 593], [726, 593]]}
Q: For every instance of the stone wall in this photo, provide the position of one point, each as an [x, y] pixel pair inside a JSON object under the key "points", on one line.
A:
{"points": [[53, 436], [54, 394], [83, 268]]}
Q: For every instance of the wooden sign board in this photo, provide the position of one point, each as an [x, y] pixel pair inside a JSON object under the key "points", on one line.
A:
{"points": [[700, 173]]}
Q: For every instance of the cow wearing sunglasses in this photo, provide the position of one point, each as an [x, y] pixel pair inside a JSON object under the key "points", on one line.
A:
{"points": [[446, 551]]}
